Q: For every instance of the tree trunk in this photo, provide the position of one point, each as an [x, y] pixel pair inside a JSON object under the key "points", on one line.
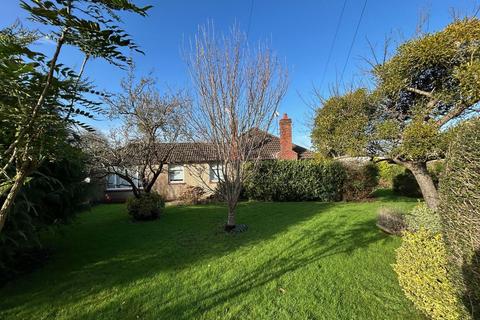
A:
{"points": [[12, 194], [231, 217], [424, 180]]}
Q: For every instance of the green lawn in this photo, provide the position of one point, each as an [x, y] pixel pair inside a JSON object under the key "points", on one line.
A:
{"points": [[296, 261]]}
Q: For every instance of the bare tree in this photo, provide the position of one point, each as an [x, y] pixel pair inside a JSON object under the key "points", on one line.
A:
{"points": [[238, 92], [150, 124]]}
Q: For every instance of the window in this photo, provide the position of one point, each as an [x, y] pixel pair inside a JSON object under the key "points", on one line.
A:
{"points": [[116, 182], [216, 172], [175, 173]]}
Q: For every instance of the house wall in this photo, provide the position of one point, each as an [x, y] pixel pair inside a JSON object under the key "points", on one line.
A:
{"points": [[196, 175], [114, 196]]}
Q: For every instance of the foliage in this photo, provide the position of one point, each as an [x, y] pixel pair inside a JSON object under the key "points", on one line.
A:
{"points": [[340, 125], [443, 63], [284, 180], [387, 172], [52, 196], [148, 206], [391, 220], [328, 258], [460, 206], [360, 182], [421, 141], [405, 184], [426, 84], [192, 195], [423, 271], [422, 217]]}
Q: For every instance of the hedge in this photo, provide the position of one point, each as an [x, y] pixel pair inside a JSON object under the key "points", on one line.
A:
{"points": [[460, 207], [360, 182], [283, 180]]}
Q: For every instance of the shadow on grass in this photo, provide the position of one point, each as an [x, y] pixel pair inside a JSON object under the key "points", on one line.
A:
{"points": [[387, 195], [301, 254], [106, 251]]}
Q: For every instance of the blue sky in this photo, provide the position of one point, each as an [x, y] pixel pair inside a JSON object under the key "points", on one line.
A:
{"points": [[301, 32]]}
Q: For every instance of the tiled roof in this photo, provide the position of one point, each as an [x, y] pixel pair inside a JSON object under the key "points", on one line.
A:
{"points": [[192, 152]]}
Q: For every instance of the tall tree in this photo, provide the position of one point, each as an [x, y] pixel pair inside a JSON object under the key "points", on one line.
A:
{"points": [[150, 124], [430, 83], [39, 94], [238, 92]]}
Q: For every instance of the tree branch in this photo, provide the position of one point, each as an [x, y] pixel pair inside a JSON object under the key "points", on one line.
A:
{"points": [[421, 92], [455, 112]]}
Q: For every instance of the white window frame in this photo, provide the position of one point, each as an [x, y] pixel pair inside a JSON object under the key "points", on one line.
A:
{"points": [[218, 167], [116, 178], [176, 167]]}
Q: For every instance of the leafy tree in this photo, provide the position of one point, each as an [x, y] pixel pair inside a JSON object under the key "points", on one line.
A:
{"points": [[40, 95], [430, 83]]}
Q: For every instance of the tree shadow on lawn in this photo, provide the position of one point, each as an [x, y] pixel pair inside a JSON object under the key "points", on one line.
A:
{"points": [[309, 248], [301, 254], [111, 252]]}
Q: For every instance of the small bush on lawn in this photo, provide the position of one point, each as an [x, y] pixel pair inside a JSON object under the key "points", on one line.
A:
{"points": [[423, 217], [423, 272], [391, 220], [192, 195], [460, 207], [406, 185], [146, 207], [283, 180], [360, 182]]}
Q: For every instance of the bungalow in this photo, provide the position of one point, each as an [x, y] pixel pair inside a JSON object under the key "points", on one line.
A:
{"points": [[186, 160]]}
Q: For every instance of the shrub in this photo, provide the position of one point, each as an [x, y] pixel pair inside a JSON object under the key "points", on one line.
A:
{"points": [[391, 220], [360, 182], [423, 217], [387, 172], [283, 180], [146, 207], [460, 207], [192, 195], [405, 184], [424, 275], [52, 196]]}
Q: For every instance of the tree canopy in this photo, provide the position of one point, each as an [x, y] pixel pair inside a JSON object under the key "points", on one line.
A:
{"points": [[429, 84]]}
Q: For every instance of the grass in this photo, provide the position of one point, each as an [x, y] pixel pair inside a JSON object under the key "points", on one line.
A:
{"points": [[296, 261]]}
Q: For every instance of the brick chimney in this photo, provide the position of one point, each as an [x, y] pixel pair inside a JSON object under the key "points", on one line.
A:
{"points": [[286, 152]]}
